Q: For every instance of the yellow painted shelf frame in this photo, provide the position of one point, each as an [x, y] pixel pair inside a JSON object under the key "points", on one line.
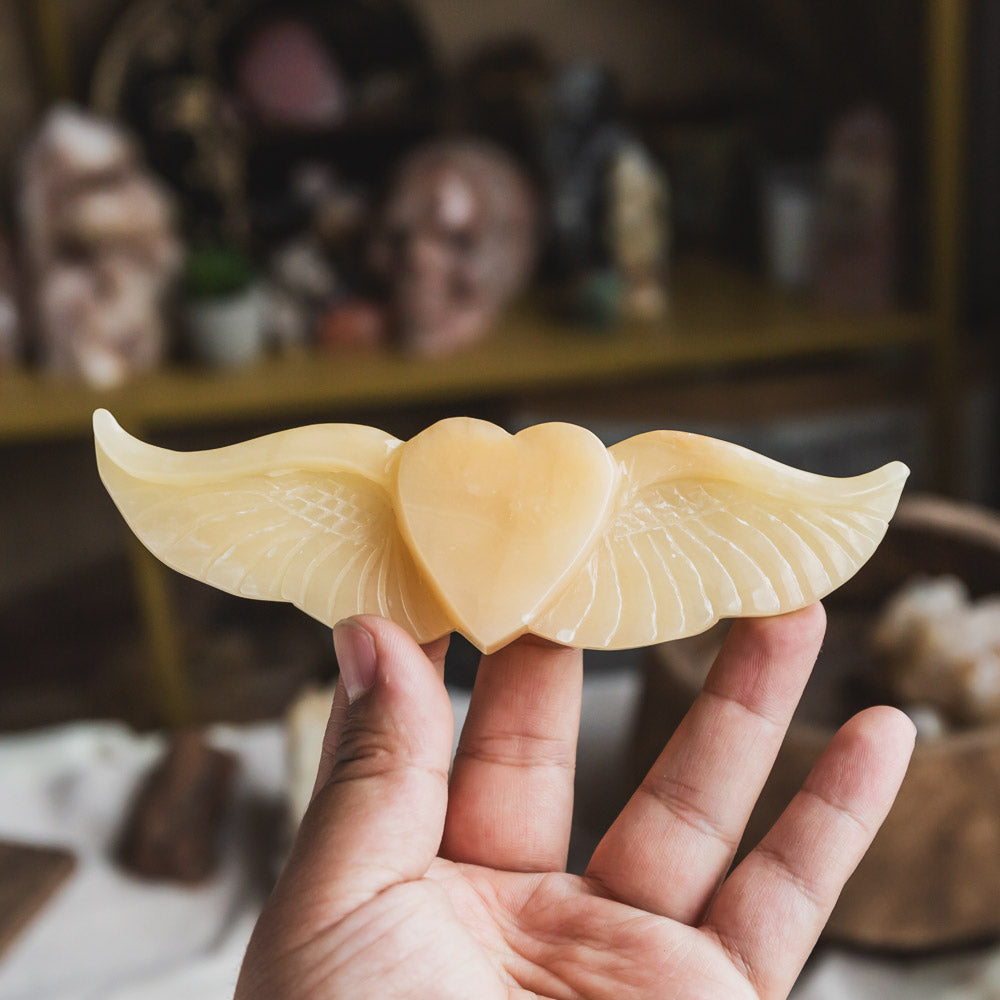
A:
{"points": [[720, 318]]}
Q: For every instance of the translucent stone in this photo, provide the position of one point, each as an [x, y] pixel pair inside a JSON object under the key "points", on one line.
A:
{"points": [[468, 528]]}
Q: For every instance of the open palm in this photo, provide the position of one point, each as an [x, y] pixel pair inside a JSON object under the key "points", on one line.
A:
{"points": [[408, 882]]}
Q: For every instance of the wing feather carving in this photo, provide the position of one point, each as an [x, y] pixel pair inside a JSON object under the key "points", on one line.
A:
{"points": [[468, 528], [310, 523], [704, 530]]}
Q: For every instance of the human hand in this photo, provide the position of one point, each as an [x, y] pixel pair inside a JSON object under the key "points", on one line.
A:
{"points": [[405, 883]]}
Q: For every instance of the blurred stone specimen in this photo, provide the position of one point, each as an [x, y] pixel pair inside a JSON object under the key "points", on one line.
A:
{"points": [[173, 829], [287, 76], [638, 206], [608, 204], [942, 649], [856, 238], [98, 231], [353, 325], [456, 241], [306, 719], [30, 874], [789, 207], [10, 309]]}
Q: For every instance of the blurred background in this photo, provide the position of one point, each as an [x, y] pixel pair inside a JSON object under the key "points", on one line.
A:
{"points": [[775, 222]]}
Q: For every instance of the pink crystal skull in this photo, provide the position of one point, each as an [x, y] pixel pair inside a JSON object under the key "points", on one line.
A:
{"points": [[455, 243]]}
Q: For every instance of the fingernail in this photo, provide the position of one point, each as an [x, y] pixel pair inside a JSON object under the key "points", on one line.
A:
{"points": [[355, 649]]}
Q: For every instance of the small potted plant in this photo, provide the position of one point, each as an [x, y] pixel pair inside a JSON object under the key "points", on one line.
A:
{"points": [[224, 307]]}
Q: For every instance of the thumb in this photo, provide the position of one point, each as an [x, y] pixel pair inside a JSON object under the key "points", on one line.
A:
{"points": [[378, 812]]}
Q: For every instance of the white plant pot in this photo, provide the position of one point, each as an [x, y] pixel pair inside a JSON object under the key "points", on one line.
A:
{"points": [[229, 331]]}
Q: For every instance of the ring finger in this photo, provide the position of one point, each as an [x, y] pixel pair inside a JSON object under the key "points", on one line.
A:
{"points": [[674, 841]]}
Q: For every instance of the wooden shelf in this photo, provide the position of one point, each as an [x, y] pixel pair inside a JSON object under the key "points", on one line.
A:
{"points": [[720, 318], [722, 321]]}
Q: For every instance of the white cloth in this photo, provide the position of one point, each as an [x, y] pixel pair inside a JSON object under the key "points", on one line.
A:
{"points": [[108, 936], [844, 976], [105, 933]]}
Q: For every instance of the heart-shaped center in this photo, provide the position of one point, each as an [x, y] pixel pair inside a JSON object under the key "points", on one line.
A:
{"points": [[498, 521]]}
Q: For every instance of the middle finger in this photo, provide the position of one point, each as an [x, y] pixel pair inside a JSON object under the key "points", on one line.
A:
{"points": [[510, 804]]}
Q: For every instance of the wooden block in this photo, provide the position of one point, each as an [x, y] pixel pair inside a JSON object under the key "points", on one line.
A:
{"points": [[29, 876], [172, 830]]}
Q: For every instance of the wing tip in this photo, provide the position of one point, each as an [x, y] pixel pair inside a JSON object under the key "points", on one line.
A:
{"points": [[896, 472], [878, 486], [114, 444], [107, 434], [889, 480], [894, 476], [104, 424]]}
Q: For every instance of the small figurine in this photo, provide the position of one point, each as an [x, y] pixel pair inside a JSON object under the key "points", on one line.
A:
{"points": [[195, 120], [305, 723], [856, 232], [609, 239], [99, 237], [638, 205], [10, 309], [301, 287], [455, 243], [789, 226]]}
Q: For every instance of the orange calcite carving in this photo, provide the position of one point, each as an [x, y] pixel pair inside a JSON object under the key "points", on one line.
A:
{"points": [[468, 528]]}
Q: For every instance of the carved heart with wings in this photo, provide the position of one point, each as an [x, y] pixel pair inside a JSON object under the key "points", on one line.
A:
{"points": [[468, 528]]}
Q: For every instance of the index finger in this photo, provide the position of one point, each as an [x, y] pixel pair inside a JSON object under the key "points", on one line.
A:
{"points": [[435, 651]]}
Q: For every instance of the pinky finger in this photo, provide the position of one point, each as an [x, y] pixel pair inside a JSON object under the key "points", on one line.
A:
{"points": [[771, 910]]}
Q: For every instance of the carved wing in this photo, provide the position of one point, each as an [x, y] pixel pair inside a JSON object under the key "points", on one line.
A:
{"points": [[302, 516], [704, 530]]}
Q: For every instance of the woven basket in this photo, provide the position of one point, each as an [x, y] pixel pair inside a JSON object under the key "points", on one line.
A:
{"points": [[932, 877]]}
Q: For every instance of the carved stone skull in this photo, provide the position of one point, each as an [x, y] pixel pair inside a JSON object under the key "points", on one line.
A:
{"points": [[455, 242], [101, 246]]}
